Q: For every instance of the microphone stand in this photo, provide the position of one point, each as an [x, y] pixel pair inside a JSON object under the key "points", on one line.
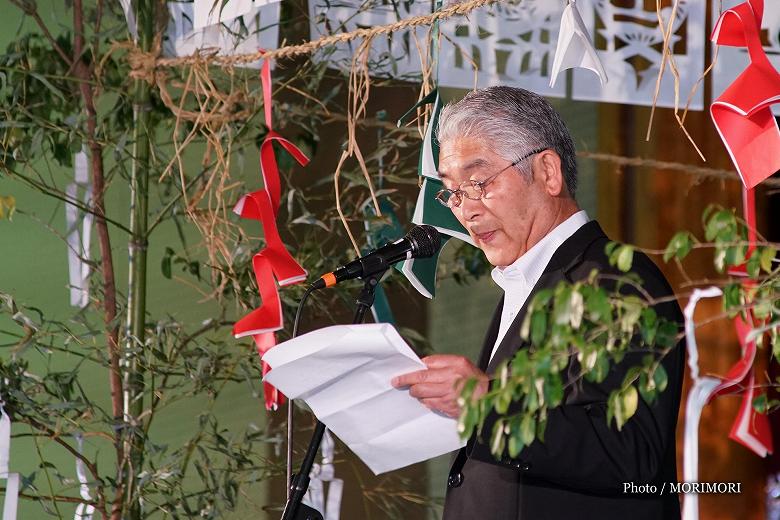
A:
{"points": [[294, 509]]}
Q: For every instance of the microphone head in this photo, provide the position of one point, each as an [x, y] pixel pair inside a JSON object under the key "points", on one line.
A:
{"points": [[425, 241]]}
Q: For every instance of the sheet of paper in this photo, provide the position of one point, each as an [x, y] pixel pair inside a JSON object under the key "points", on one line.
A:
{"points": [[343, 374], [213, 12]]}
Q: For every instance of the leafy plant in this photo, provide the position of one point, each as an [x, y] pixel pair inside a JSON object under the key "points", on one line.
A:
{"points": [[594, 324]]}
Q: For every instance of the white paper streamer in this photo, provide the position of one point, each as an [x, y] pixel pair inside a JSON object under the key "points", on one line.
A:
{"points": [[330, 507], [84, 511], [575, 48], [127, 7], [78, 239], [11, 479], [698, 396]]}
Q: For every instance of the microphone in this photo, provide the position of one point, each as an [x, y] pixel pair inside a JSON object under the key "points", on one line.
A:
{"points": [[421, 242]]}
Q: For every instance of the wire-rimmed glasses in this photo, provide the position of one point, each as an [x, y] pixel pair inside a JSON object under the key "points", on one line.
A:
{"points": [[475, 190]]}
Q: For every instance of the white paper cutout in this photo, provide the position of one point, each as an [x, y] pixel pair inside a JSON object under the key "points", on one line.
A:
{"points": [[79, 232], [733, 60], [212, 12], [259, 29], [575, 48], [11, 479], [698, 396], [84, 511], [513, 45], [629, 43], [394, 55], [315, 497]]}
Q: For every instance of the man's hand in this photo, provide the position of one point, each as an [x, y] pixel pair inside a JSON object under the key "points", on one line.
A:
{"points": [[439, 387]]}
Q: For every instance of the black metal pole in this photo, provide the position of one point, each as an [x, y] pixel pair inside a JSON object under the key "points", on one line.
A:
{"points": [[294, 509]]}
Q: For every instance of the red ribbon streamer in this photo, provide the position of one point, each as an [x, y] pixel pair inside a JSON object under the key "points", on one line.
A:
{"points": [[742, 114], [743, 117], [273, 264]]}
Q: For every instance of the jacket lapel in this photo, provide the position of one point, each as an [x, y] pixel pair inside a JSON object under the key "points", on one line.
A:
{"points": [[566, 257], [490, 337]]}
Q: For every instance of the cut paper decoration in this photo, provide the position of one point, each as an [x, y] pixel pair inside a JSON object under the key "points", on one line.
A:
{"points": [[698, 396], [271, 395], [742, 113], [84, 510], [11, 500], [732, 60], [575, 48], [750, 428], [629, 43], [421, 272], [393, 55], [505, 44], [257, 29], [321, 474], [78, 232], [274, 263], [211, 12]]}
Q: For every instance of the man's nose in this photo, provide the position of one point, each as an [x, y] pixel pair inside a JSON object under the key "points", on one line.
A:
{"points": [[471, 208]]}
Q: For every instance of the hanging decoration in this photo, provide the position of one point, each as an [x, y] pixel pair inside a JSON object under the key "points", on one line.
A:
{"points": [[699, 395], [209, 12], [629, 41], [742, 113], [11, 500], [273, 264], [84, 510], [240, 26], [78, 232], [750, 428], [326, 502], [421, 272], [732, 60], [510, 44], [395, 54], [575, 48]]}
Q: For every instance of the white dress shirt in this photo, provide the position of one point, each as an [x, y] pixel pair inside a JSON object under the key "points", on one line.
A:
{"points": [[519, 278]]}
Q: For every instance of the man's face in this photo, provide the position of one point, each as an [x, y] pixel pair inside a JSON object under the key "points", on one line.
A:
{"points": [[507, 221]]}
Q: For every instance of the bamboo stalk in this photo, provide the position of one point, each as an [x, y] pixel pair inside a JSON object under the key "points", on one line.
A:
{"points": [[136, 299]]}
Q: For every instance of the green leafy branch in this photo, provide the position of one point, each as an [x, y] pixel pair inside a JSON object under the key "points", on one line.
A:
{"points": [[578, 331]]}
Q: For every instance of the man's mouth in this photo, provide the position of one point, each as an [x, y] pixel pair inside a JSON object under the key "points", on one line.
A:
{"points": [[486, 236]]}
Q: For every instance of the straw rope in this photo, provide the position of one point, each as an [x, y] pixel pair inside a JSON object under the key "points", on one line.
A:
{"points": [[292, 51], [698, 171]]}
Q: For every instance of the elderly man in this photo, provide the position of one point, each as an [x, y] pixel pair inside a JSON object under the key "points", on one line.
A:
{"points": [[508, 164]]}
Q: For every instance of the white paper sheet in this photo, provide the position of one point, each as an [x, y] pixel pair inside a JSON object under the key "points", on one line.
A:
{"points": [[343, 374]]}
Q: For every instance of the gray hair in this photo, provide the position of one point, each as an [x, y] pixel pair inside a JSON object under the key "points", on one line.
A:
{"points": [[514, 121]]}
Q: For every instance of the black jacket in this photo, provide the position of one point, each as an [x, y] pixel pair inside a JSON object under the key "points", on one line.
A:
{"points": [[581, 469]]}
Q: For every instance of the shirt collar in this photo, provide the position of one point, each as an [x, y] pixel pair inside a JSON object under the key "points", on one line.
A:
{"points": [[527, 269]]}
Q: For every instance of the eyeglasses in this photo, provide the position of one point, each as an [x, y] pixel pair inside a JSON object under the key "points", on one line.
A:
{"points": [[475, 190]]}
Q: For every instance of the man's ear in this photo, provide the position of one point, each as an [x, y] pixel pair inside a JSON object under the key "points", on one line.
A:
{"points": [[548, 164]]}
